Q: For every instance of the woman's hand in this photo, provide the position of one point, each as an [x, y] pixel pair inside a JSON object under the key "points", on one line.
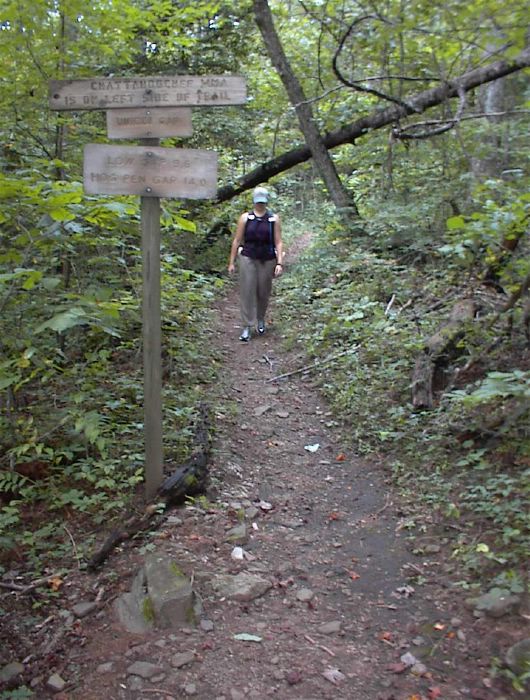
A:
{"points": [[231, 268], [278, 270]]}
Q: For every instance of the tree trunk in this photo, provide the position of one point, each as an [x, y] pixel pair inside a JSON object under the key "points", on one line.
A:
{"points": [[378, 119], [326, 168]]}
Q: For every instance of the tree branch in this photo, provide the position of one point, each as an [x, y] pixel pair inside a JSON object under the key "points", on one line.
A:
{"points": [[447, 126], [377, 119], [356, 85]]}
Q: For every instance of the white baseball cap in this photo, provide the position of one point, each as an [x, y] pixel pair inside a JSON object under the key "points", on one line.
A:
{"points": [[260, 195]]}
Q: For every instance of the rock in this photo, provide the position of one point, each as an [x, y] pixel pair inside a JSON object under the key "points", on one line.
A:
{"points": [[518, 657], [133, 609], [144, 669], [83, 609], [265, 492], [243, 587], [105, 668], [294, 677], [260, 410], [292, 524], [418, 669], [180, 660], [495, 603], [190, 689], [330, 627], [252, 512], [169, 591], [238, 534], [432, 549], [11, 671], [236, 695], [55, 683], [135, 683], [409, 659], [304, 595], [237, 554], [206, 625]]}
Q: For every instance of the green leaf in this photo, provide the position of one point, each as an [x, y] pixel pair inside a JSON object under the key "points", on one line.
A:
{"points": [[455, 222], [32, 279], [185, 224], [50, 283], [65, 320], [62, 214]]}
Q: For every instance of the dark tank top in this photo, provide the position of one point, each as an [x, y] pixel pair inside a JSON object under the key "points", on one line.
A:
{"points": [[259, 237]]}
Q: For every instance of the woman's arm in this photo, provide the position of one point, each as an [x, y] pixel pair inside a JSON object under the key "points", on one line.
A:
{"points": [[278, 244], [238, 240]]}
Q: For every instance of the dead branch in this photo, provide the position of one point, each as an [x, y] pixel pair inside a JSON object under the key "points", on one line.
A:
{"points": [[356, 84], [467, 117], [437, 350], [512, 301], [27, 588], [188, 479], [315, 365], [429, 133]]}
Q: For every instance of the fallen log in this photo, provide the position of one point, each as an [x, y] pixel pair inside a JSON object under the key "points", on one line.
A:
{"points": [[188, 479], [438, 351]]}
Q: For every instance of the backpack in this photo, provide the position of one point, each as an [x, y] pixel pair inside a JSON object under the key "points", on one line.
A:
{"points": [[270, 217]]}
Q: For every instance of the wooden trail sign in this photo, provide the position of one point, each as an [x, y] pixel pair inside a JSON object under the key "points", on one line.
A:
{"points": [[144, 108], [149, 123], [145, 91], [150, 171]]}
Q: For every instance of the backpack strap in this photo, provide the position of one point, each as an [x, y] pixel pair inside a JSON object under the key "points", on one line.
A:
{"points": [[272, 220]]}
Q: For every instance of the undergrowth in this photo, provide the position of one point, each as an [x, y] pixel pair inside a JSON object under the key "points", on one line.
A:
{"points": [[365, 315], [74, 463]]}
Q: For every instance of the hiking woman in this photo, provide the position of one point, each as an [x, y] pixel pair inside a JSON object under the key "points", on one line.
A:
{"points": [[257, 245]]}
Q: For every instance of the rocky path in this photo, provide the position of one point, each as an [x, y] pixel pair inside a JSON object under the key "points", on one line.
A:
{"points": [[334, 604]]}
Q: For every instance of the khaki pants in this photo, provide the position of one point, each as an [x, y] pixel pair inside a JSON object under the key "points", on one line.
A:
{"points": [[255, 284]]}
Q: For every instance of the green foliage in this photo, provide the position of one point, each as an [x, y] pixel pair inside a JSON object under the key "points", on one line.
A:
{"points": [[16, 694], [498, 385], [501, 217], [342, 297]]}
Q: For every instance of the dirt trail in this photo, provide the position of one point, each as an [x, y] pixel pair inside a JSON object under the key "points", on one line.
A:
{"points": [[345, 604]]}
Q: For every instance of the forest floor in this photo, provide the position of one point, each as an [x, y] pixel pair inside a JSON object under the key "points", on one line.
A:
{"points": [[354, 609]]}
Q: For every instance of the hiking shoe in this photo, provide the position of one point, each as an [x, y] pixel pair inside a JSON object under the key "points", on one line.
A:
{"points": [[245, 335], [261, 327]]}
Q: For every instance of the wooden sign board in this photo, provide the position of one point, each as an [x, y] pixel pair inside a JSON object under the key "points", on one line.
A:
{"points": [[144, 91], [155, 122], [150, 171]]}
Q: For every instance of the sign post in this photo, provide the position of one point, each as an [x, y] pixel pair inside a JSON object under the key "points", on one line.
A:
{"points": [[145, 108], [151, 335]]}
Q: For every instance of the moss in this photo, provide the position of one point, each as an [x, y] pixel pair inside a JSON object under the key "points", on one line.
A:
{"points": [[190, 617], [148, 611], [175, 569]]}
